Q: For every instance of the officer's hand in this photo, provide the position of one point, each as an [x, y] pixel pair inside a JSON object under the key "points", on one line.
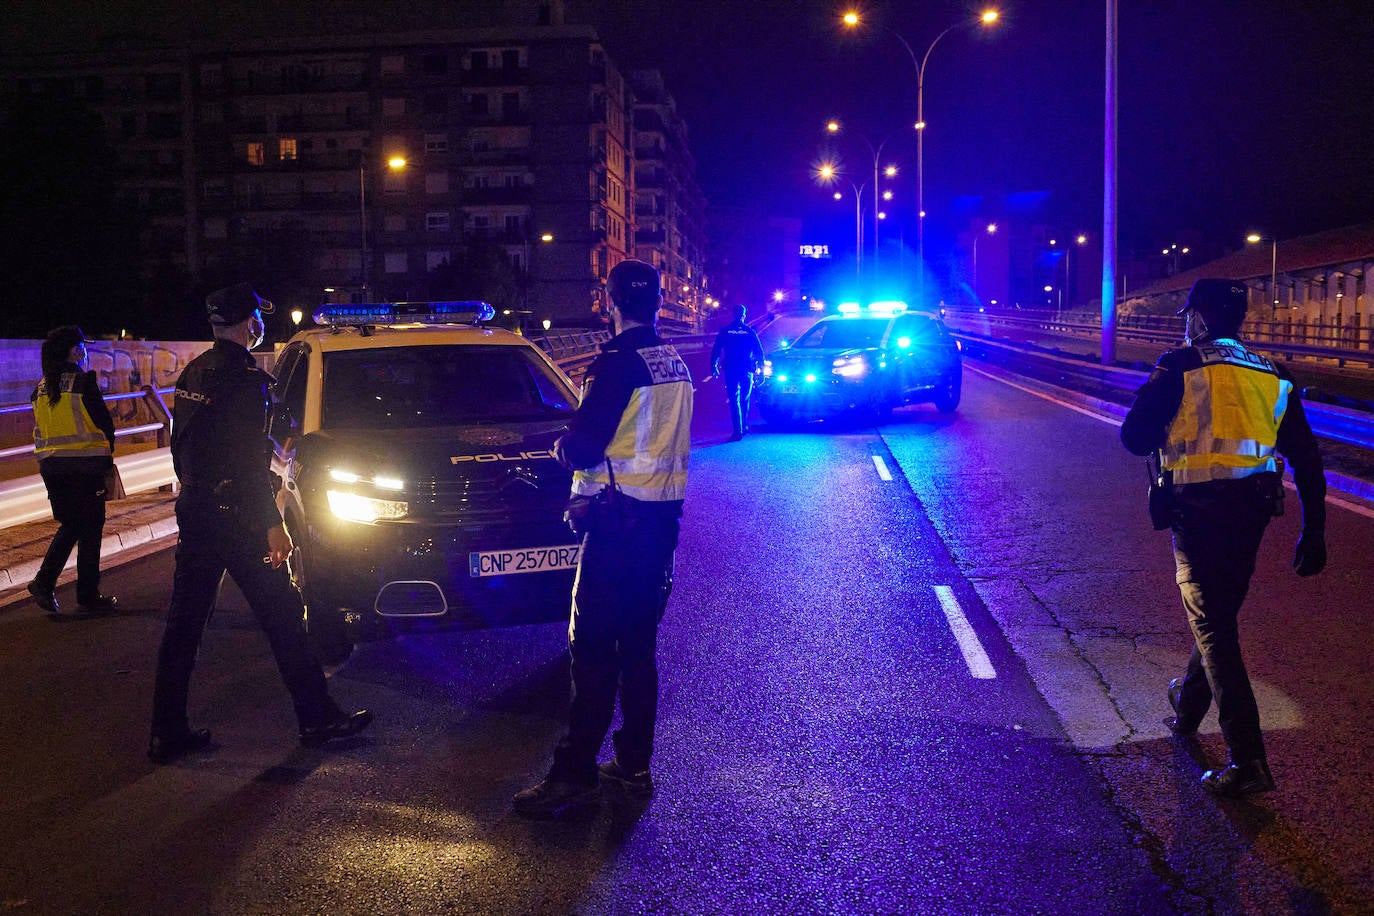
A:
{"points": [[1310, 557], [279, 546]]}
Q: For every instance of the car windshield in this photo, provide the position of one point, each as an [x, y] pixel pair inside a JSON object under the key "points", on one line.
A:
{"points": [[432, 386], [844, 334]]}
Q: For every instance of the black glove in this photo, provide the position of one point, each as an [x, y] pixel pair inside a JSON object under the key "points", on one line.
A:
{"points": [[1310, 557]]}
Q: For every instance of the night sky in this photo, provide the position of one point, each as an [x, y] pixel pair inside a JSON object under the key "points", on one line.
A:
{"points": [[1233, 116]]}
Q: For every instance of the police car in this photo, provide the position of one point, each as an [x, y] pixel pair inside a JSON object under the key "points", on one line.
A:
{"points": [[412, 446], [866, 360]]}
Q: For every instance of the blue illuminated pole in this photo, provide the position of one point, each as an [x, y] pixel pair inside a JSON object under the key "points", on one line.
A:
{"points": [[1109, 196]]}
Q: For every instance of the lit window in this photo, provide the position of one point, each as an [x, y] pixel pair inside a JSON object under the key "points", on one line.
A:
{"points": [[287, 148], [255, 154]]}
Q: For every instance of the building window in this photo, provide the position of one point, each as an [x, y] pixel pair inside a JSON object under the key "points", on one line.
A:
{"points": [[394, 222], [393, 108], [514, 181], [477, 60], [436, 222], [510, 105], [286, 147], [436, 143], [393, 65], [510, 59], [397, 262], [216, 227], [514, 224], [479, 104], [436, 103], [434, 259], [436, 183], [434, 64], [255, 154]]}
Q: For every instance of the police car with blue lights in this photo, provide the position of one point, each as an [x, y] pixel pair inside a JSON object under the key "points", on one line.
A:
{"points": [[413, 448], [866, 361]]}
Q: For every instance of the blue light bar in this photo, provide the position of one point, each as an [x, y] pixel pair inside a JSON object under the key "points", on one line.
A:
{"points": [[849, 308], [887, 307], [462, 311]]}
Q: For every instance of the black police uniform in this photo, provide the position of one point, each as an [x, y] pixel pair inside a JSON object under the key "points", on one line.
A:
{"points": [[222, 455], [736, 354], [624, 574], [1217, 528]]}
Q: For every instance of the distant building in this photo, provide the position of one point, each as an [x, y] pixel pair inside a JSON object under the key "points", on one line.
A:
{"points": [[517, 134]]}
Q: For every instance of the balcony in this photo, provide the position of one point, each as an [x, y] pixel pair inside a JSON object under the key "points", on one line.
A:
{"points": [[296, 83], [502, 195]]}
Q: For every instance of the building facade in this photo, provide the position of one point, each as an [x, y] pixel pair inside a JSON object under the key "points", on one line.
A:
{"points": [[389, 165]]}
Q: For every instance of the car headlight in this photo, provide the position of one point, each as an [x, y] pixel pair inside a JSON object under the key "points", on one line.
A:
{"points": [[343, 475], [849, 366], [354, 507]]}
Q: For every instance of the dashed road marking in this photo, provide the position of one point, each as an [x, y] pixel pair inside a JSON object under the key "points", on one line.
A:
{"points": [[977, 660], [881, 465]]}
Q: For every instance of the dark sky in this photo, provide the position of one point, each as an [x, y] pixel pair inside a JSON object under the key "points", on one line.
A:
{"points": [[1234, 116]]}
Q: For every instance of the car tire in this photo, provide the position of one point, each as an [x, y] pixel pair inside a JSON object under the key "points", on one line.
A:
{"points": [[325, 629], [951, 389]]}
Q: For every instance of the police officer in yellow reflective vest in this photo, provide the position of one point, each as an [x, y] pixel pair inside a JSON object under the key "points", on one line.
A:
{"points": [[628, 447], [73, 440], [1218, 413]]}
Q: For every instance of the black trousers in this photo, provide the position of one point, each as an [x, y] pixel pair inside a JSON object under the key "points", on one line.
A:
{"points": [[738, 390], [78, 505], [619, 596], [1216, 540], [211, 543]]}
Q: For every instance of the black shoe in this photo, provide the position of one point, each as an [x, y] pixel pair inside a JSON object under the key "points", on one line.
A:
{"points": [[344, 726], [1239, 779], [1180, 725], [735, 437], [636, 785], [552, 797], [45, 598], [165, 749], [97, 604]]}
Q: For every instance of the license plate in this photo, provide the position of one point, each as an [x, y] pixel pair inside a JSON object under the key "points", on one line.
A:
{"points": [[788, 388], [482, 563]]}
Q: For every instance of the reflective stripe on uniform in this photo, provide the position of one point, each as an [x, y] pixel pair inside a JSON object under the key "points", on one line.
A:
{"points": [[1227, 423], [65, 428]]}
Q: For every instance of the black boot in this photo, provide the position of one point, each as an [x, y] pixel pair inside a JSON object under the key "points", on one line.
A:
{"points": [[45, 598], [1239, 779]]}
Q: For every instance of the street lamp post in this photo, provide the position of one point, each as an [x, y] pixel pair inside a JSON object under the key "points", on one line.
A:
{"points": [[891, 172], [826, 174], [395, 163], [1254, 238], [991, 230], [988, 17]]}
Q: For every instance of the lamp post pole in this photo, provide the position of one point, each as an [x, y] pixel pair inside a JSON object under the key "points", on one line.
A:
{"points": [[991, 230], [362, 220], [1273, 269]]}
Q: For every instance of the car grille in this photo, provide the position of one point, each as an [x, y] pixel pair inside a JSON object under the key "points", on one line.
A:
{"points": [[516, 494]]}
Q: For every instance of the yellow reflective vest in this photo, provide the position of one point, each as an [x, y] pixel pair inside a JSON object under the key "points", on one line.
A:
{"points": [[1228, 421], [64, 428]]}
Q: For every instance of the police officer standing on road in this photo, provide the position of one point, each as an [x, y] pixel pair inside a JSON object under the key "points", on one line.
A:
{"points": [[73, 440], [739, 355], [228, 519], [628, 447], [1217, 412]]}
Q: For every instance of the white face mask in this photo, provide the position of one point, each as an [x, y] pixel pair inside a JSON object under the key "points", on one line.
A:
{"points": [[256, 330], [1194, 328]]}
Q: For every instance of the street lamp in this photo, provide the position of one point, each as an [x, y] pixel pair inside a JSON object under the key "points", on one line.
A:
{"points": [[891, 172], [988, 17], [827, 173], [1066, 290], [396, 164], [1254, 238], [990, 230]]}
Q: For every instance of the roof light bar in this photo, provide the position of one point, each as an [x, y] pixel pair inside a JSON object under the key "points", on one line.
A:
{"points": [[461, 311]]}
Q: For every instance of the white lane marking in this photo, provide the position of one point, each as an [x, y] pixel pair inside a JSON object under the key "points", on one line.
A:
{"points": [[881, 465], [977, 660]]}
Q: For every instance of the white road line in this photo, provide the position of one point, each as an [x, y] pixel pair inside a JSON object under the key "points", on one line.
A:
{"points": [[977, 660], [881, 465]]}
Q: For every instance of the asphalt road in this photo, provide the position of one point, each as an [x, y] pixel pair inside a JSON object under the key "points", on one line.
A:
{"points": [[827, 743]]}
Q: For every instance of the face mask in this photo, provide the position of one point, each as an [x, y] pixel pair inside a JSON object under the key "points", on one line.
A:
{"points": [[1194, 328], [256, 331]]}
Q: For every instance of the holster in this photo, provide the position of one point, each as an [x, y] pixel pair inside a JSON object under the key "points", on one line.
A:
{"points": [[1160, 498]]}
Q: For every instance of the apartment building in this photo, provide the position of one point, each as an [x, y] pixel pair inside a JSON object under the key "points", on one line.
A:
{"points": [[379, 165]]}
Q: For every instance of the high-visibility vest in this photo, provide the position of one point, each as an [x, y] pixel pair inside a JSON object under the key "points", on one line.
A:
{"points": [[65, 428], [1227, 424], [650, 450]]}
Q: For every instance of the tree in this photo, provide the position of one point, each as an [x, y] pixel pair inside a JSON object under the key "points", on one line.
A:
{"points": [[482, 272]]}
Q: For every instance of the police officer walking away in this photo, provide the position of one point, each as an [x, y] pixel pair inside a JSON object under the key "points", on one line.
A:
{"points": [[739, 355], [628, 446], [73, 440], [1217, 412], [228, 521]]}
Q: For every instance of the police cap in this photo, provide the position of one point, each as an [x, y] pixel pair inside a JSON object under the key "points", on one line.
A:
{"points": [[1216, 298], [233, 304], [634, 287]]}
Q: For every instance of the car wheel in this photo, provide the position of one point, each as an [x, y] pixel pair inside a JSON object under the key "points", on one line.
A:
{"points": [[325, 629], [947, 398]]}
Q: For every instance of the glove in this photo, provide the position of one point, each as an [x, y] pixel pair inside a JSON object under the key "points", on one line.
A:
{"points": [[1310, 556]]}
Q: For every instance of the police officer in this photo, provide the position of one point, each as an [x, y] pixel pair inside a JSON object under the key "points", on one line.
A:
{"points": [[228, 521], [628, 446], [738, 353], [1218, 412], [73, 440]]}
